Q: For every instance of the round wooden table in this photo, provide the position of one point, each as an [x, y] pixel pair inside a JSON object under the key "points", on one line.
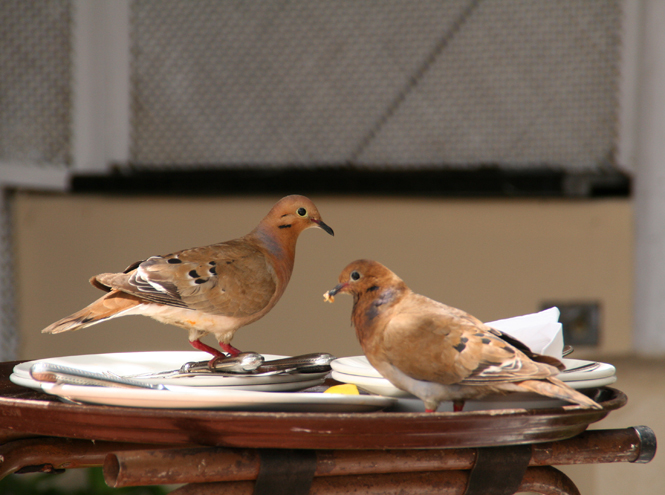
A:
{"points": [[36, 429]]}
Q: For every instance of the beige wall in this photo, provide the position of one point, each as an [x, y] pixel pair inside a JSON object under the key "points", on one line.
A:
{"points": [[493, 258]]}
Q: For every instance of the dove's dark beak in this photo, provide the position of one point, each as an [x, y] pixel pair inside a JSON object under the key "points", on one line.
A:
{"points": [[330, 295], [336, 289], [324, 226]]}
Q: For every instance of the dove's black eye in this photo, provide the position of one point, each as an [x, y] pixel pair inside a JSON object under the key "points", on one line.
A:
{"points": [[355, 275], [302, 212]]}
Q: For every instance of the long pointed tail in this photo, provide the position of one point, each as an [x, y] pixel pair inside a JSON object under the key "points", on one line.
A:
{"points": [[113, 304], [553, 387]]}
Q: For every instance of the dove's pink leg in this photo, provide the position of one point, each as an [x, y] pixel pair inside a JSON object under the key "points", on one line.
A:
{"points": [[229, 349], [197, 344], [458, 405]]}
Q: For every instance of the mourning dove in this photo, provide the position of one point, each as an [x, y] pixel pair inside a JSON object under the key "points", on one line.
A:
{"points": [[213, 289], [437, 352]]}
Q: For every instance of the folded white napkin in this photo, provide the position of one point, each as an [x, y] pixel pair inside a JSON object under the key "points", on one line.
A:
{"points": [[541, 331]]}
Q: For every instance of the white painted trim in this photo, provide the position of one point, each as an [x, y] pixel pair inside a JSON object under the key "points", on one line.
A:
{"points": [[101, 84], [101, 93], [632, 43], [649, 186], [26, 175], [118, 78]]}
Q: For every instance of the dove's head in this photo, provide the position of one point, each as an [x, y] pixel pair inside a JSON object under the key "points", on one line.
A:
{"points": [[293, 214], [363, 277]]}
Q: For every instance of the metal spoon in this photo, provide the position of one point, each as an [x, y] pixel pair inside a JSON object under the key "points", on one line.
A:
{"points": [[248, 364], [55, 373]]}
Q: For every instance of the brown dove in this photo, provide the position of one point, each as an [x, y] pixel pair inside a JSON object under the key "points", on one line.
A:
{"points": [[213, 289], [437, 352]]}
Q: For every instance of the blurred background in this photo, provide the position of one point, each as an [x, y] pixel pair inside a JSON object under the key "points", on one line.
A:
{"points": [[501, 157]]}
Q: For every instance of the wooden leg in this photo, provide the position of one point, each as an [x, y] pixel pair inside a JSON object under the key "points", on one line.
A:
{"points": [[50, 454], [543, 480], [181, 466], [548, 481]]}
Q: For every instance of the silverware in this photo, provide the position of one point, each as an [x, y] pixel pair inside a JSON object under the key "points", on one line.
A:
{"points": [[247, 364], [306, 363], [584, 367], [567, 350], [244, 362], [55, 373]]}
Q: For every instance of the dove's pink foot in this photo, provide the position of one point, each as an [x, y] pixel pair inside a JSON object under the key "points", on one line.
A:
{"points": [[429, 410], [458, 405], [228, 348]]}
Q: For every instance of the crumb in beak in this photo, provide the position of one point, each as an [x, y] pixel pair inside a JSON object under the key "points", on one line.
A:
{"points": [[328, 298]]}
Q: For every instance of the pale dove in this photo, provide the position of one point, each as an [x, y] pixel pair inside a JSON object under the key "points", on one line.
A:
{"points": [[213, 289]]}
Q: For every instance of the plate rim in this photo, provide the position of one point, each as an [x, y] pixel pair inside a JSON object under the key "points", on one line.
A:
{"points": [[339, 365], [186, 397], [23, 369]]}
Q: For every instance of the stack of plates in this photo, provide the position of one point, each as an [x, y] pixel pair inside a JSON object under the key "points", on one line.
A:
{"points": [[129, 364], [242, 392], [358, 371]]}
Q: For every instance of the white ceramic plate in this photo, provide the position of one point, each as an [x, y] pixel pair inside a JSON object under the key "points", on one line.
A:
{"points": [[268, 387], [182, 397], [381, 386], [355, 365], [133, 363], [604, 370], [358, 371], [359, 366]]}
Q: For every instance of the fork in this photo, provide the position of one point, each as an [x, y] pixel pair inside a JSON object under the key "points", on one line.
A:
{"points": [[246, 364]]}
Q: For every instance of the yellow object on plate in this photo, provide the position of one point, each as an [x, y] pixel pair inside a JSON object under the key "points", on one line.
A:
{"points": [[346, 389]]}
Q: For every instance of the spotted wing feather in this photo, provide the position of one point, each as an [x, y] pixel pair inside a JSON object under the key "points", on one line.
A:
{"points": [[453, 347], [219, 279]]}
